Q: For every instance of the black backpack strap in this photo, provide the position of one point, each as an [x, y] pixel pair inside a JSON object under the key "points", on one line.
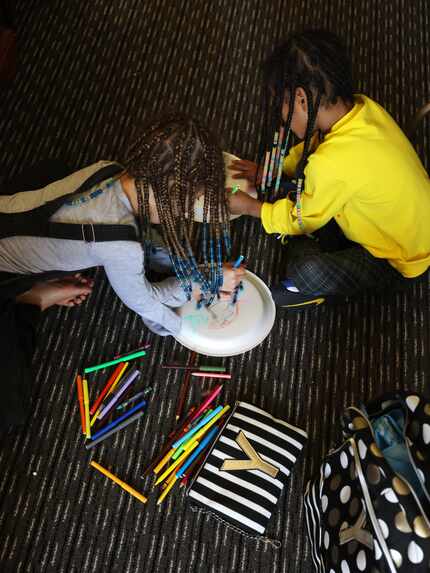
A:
{"points": [[91, 233]]}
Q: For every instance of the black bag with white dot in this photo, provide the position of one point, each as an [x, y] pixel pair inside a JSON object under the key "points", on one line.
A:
{"points": [[369, 508]]}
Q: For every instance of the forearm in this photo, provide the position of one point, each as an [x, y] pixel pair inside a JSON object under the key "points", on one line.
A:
{"points": [[253, 208]]}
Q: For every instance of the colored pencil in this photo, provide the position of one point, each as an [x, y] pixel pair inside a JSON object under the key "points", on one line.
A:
{"points": [[119, 482], [105, 390], [115, 361], [199, 368], [211, 375], [114, 430], [185, 386], [119, 420], [196, 453], [206, 403], [178, 462], [167, 489], [144, 347], [128, 381], [81, 401], [86, 408]]}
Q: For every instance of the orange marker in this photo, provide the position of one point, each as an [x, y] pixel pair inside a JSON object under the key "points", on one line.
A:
{"points": [[81, 401], [105, 390]]}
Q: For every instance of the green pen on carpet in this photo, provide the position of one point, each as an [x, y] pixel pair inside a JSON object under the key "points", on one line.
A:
{"points": [[116, 361]]}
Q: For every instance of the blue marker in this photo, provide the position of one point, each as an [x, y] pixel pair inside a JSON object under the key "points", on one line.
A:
{"points": [[238, 262], [197, 452], [196, 428], [240, 285], [118, 420]]}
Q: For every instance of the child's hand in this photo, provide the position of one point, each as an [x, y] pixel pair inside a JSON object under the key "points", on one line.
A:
{"points": [[231, 279], [241, 203], [246, 170]]}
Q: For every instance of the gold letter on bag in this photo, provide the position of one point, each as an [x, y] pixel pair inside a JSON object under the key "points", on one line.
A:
{"points": [[253, 463]]}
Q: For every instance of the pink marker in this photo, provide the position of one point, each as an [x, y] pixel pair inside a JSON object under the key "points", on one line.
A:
{"points": [[211, 375], [206, 403]]}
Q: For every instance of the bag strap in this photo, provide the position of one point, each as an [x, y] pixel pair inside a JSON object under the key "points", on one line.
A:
{"points": [[91, 233]]}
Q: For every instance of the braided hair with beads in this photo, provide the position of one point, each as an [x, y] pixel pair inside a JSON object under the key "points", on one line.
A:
{"points": [[176, 160], [318, 62]]}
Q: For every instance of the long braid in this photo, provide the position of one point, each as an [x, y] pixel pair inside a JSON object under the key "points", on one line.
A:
{"points": [[177, 158]]}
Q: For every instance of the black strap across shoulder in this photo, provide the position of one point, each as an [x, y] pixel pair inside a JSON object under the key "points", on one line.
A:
{"points": [[91, 233]]}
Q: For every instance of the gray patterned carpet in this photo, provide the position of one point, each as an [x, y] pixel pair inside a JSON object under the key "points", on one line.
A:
{"points": [[89, 73]]}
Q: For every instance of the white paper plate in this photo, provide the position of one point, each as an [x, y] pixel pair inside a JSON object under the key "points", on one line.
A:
{"points": [[225, 329], [242, 184]]}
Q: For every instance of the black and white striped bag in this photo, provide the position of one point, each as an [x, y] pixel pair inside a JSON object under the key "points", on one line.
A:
{"points": [[244, 474]]}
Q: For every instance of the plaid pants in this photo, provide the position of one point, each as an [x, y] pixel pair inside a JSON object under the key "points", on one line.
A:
{"points": [[329, 264]]}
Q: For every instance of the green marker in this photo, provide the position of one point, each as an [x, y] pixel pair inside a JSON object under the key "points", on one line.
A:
{"points": [[112, 362]]}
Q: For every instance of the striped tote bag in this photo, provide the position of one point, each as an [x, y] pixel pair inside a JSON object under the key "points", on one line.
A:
{"points": [[243, 475]]}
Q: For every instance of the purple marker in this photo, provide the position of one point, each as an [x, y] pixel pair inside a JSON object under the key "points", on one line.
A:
{"points": [[126, 383]]}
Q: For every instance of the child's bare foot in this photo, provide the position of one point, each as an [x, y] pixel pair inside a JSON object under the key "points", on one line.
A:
{"points": [[64, 292]]}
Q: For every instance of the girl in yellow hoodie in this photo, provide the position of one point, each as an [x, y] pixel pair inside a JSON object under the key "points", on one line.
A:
{"points": [[354, 178]]}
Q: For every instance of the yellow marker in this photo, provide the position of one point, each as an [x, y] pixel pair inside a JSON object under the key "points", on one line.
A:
{"points": [[100, 408], [111, 389], [169, 486], [119, 482], [164, 461], [203, 430], [86, 408], [94, 418], [176, 463], [168, 480]]}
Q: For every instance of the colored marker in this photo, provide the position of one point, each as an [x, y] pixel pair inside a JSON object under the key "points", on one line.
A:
{"points": [[199, 368], [196, 428], [86, 408], [126, 384], [133, 399], [115, 361], [144, 347], [119, 482], [81, 401], [112, 431], [197, 452], [206, 403], [238, 262], [105, 390], [212, 375], [167, 489], [176, 463], [119, 420], [118, 378]]}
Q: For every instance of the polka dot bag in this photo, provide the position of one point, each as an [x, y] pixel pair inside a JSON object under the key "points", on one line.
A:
{"points": [[369, 508]]}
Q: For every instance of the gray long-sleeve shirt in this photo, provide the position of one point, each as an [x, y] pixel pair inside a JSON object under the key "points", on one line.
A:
{"points": [[122, 260]]}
